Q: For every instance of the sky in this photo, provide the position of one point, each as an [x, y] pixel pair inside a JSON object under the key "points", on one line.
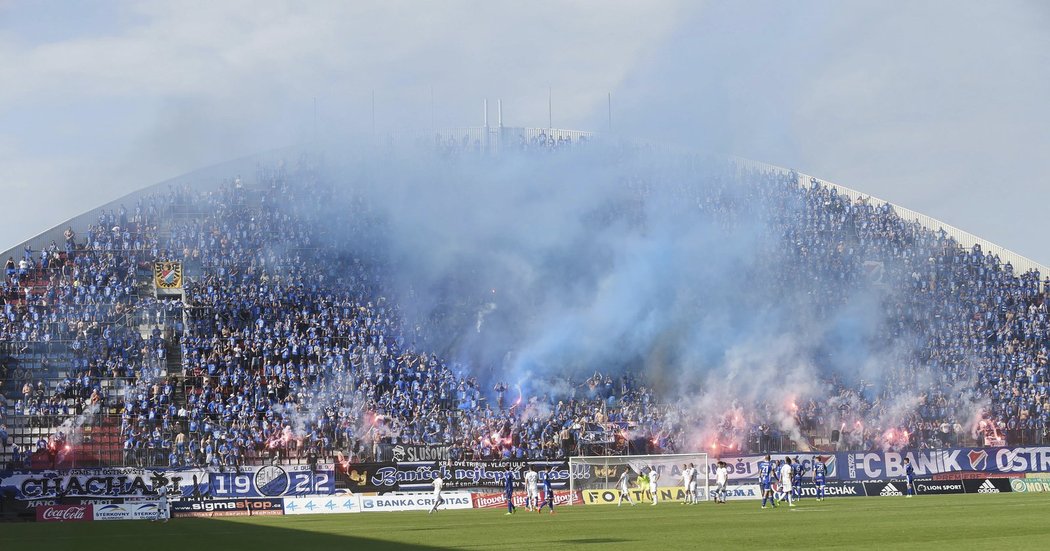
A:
{"points": [[936, 106]]}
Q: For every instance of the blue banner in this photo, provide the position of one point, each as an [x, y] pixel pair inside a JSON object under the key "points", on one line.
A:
{"points": [[885, 464]]}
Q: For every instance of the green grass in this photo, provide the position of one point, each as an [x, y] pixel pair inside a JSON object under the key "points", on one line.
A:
{"points": [[1004, 521]]}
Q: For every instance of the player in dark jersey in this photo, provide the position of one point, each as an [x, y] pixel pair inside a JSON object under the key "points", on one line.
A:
{"points": [[820, 472], [765, 481], [508, 491], [775, 485], [909, 476], [798, 470], [548, 493]]}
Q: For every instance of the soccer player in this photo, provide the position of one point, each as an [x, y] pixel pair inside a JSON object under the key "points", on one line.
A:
{"points": [[778, 488], [532, 491], [438, 500], [548, 492], [721, 481], [909, 475], [508, 491], [688, 480], [786, 472], [625, 490], [163, 511], [797, 472], [820, 472], [765, 480], [654, 477]]}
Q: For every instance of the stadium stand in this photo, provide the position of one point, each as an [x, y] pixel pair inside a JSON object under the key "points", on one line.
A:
{"points": [[280, 351]]}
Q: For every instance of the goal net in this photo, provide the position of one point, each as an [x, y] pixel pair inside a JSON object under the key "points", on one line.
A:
{"points": [[597, 476]]}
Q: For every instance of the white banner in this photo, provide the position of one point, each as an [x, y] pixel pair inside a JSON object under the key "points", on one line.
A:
{"points": [[739, 467], [414, 502], [322, 505], [669, 467], [742, 491], [137, 510], [745, 467]]}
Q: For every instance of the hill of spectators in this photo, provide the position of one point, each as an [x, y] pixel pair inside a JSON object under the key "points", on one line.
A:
{"points": [[282, 346]]}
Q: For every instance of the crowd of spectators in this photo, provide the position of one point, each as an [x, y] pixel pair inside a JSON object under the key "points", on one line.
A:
{"points": [[281, 348], [68, 323]]}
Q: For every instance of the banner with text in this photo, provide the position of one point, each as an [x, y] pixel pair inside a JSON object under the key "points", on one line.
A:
{"points": [[741, 468], [413, 452], [64, 513], [1030, 485], [483, 501], [415, 502], [987, 486], [227, 507], [130, 482], [875, 465], [419, 476], [834, 488], [669, 493], [939, 487], [745, 467], [132, 510]]}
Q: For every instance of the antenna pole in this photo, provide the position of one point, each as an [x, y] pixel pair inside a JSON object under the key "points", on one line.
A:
{"points": [[610, 112]]}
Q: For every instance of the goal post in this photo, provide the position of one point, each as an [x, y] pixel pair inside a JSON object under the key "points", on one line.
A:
{"points": [[601, 472]]}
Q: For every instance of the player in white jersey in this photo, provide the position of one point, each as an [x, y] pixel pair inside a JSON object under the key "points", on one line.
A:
{"points": [[654, 477], [786, 473], [721, 482], [163, 511], [624, 486], [689, 481], [532, 490], [438, 500]]}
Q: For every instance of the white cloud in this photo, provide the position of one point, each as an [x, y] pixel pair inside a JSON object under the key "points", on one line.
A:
{"points": [[177, 85]]}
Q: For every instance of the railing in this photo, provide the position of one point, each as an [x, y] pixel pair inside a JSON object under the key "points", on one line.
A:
{"points": [[96, 440]]}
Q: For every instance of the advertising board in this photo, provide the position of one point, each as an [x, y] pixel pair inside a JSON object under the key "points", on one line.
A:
{"points": [[986, 461], [227, 507], [414, 502], [486, 500], [322, 505], [64, 513], [140, 510]]}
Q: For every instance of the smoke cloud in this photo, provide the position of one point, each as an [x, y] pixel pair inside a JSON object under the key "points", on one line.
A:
{"points": [[537, 267]]}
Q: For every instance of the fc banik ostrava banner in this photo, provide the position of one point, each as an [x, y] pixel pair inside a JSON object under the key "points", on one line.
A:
{"points": [[265, 481], [883, 464]]}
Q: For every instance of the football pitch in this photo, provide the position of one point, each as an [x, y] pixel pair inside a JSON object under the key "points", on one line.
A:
{"points": [[1005, 521]]}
